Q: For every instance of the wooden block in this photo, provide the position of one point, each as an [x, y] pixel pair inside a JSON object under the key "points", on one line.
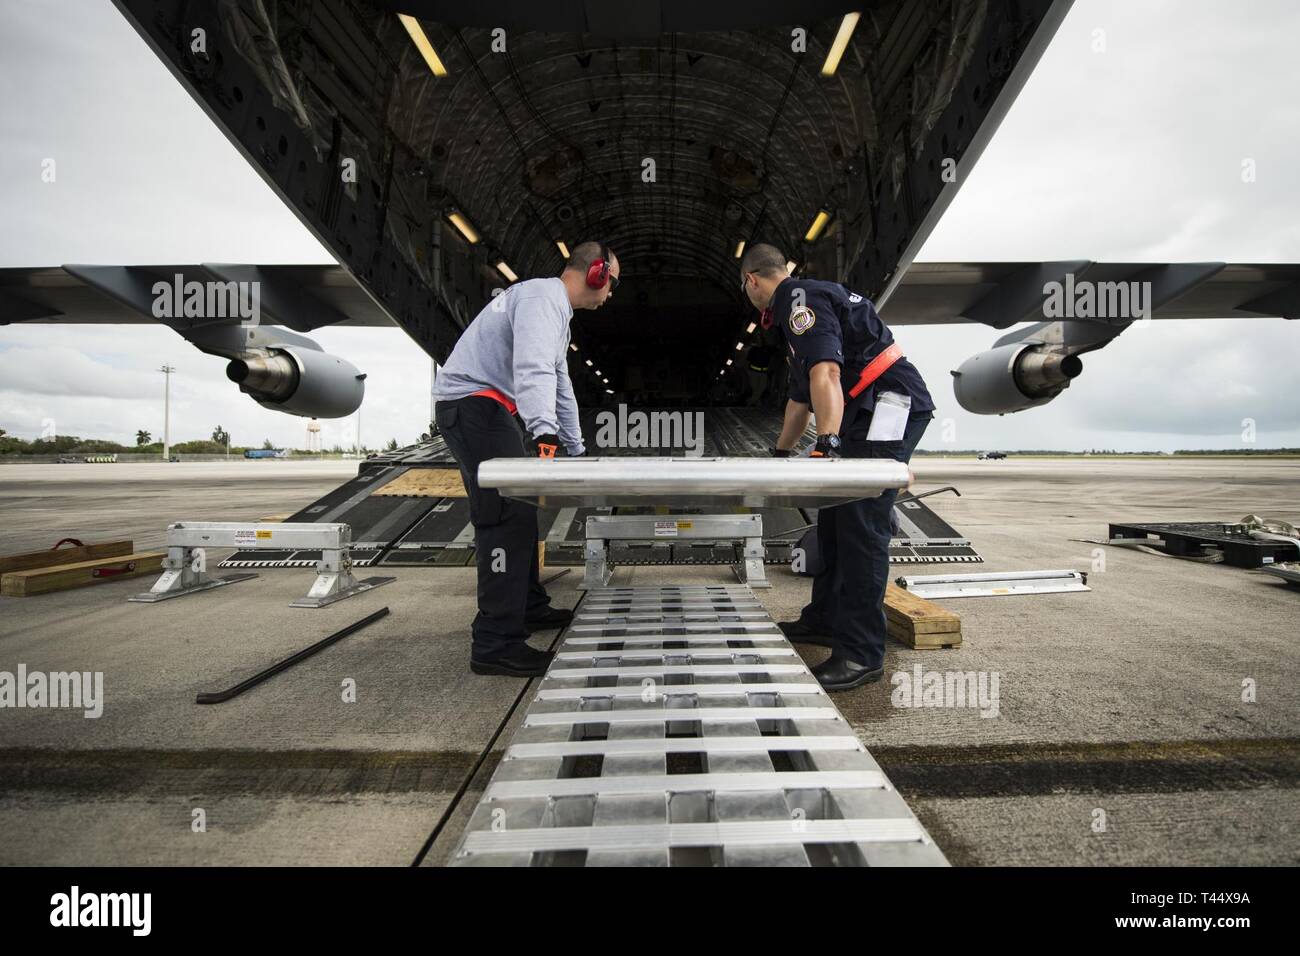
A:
{"points": [[919, 623], [51, 557], [82, 573], [425, 483]]}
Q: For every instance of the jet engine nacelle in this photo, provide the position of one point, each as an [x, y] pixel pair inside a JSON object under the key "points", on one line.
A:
{"points": [[299, 381], [1011, 378]]}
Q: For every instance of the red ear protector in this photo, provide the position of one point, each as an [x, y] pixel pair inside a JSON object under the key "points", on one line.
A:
{"points": [[598, 271]]}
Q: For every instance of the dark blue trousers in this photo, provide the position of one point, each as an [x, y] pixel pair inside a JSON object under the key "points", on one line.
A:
{"points": [[848, 593], [505, 531]]}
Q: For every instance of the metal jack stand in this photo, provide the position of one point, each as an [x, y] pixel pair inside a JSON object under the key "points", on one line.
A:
{"points": [[601, 529], [186, 562]]}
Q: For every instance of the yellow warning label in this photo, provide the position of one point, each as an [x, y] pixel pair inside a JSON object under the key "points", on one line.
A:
{"points": [[685, 524], [263, 534]]}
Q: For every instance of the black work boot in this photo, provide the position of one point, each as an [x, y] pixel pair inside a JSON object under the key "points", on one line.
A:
{"points": [[519, 661], [840, 673]]}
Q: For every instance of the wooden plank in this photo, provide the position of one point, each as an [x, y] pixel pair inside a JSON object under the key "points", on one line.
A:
{"points": [[50, 558], [919, 623], [80, 574], [425, 483], [276, 519]]}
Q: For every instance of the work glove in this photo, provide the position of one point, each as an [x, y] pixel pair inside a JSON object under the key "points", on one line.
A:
{"points": [[781, 452], [828, 446], [546, 446]]}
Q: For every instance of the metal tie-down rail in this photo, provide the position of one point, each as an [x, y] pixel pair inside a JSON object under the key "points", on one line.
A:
{"points": [[185, 568], [678, 726]]}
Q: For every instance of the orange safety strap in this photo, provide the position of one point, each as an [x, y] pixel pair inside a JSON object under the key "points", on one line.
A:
{"points": [[876, 368], [496, 396]]}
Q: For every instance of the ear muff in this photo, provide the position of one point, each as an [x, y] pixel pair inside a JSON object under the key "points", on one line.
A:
{"points": [[598, 271]]}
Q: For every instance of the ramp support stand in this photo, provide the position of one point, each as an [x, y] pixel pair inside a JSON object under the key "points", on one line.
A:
{"points": [[186, 562]]}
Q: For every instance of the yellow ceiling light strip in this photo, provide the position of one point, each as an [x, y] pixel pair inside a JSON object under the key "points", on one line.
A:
{"points": [[462, 225], [818, 224], [841, 43], [421, 41]]}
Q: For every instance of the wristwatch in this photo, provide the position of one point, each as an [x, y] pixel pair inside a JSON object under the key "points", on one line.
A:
{"points": [[828, 446]]}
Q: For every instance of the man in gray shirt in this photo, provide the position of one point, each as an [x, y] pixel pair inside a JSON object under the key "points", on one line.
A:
{"points": [[513, 360]]}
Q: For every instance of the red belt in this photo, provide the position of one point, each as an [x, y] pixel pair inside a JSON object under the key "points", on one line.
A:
{"points": [[496, 396], [876, 368]]}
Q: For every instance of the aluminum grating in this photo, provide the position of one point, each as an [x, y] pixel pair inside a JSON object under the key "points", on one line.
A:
{"points": [[693, 734]]}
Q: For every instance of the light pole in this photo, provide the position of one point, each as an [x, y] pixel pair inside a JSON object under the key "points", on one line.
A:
{"points": [[167, 411]]}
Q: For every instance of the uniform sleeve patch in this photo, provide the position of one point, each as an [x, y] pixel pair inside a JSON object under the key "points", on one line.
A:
{"points": [[802, 319]]}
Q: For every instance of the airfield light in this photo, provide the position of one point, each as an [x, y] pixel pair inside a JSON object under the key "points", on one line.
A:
{"points": [[421, 41], [840, 44]]}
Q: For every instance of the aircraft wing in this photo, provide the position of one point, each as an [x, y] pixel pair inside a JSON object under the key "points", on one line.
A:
{"points": [[1003, 294], [298, 297]]}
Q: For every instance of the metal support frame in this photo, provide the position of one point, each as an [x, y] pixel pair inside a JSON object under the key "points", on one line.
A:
{"points": [[602, 529], [185, 567]]}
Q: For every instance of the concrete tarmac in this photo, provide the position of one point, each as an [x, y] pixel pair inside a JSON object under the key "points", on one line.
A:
{"points": [[1153, 720]]}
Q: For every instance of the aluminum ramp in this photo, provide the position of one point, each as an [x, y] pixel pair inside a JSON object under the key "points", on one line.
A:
{"points": [[677, 726]]}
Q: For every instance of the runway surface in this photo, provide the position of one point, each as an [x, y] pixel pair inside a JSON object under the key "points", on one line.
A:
{"points": [[1121, 735]]}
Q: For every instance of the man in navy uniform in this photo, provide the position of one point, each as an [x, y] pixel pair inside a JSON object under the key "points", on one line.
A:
{"points": [[510, 366], [869, 402]]}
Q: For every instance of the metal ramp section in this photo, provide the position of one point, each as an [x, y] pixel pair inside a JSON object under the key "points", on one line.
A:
{"points": [[925, 538], [678, 727], [1194, 539]]}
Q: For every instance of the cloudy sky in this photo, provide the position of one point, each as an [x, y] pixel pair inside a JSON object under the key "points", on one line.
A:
{"points": [[1133, 153]]}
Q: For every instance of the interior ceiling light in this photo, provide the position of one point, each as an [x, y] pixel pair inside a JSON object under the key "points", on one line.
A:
{"points": [[818, 224], [790, 266], [572, 346], [463, 227], [840, 44], [751, 327], [506, 271], [588, 363], [739, 346], [740, 248], [728, 361], [564, 250], [422, 44]]}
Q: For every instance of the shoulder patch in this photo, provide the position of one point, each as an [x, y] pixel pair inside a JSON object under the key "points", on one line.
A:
{"points": [[802, 319]]}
